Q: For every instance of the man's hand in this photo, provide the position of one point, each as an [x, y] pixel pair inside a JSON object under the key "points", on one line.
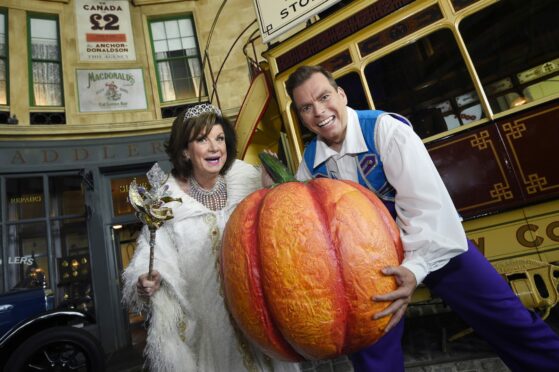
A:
{"points": [[147, 288], [401, 297]]}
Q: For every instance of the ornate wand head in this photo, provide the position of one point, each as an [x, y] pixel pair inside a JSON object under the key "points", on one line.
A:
{"points": [[149, 204]]}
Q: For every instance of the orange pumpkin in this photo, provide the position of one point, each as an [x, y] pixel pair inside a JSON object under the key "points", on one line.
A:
{"points": [[300, 264]]}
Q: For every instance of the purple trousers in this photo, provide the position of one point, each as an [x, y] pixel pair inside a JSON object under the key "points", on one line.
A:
{"points": [[481, 297]]}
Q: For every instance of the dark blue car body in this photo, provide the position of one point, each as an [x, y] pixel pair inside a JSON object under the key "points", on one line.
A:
{"points": [[33, 335], [20, 305]]}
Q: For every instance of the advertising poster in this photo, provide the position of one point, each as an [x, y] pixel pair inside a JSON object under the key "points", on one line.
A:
{"points": [[111, 90], [104, 30]]}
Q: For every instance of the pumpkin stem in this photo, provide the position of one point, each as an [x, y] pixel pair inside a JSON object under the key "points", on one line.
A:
{"points": [[275, 168]]}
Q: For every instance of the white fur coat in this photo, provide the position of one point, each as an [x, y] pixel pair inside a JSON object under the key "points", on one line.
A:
{"points": [[189, 326]]}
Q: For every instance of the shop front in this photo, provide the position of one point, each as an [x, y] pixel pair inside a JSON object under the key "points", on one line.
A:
{"points": [[66, 225]]}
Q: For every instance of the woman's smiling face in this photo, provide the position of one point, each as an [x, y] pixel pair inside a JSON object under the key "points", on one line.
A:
{"points": [[207, 153]]}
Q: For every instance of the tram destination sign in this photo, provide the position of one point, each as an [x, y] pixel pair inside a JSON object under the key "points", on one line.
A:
{"points": [[276, 17]]}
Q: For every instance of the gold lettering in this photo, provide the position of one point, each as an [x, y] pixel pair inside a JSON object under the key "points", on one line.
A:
{"points": [[52, 158], [84, 154], [156, 148], [26, 199], [132, 150], [19, 158], [124, 188], [550, 231], [521, 236]]}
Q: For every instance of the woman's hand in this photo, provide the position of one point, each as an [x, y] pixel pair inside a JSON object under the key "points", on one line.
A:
{"points": [[147, 288]]}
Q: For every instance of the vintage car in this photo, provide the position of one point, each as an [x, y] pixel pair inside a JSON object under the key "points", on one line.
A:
{"points": [[34, 336]]}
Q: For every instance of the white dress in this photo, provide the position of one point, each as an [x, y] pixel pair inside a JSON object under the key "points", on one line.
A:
{"points": [[189, 326]]}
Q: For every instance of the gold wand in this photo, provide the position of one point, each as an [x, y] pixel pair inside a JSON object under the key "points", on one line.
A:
{"points": [[149, 205]]}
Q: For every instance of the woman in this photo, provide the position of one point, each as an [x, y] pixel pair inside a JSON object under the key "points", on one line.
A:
{"points": [[189, 326]]}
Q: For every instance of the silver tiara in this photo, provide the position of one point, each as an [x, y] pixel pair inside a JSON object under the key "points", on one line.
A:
{"points": [[200, 109]]}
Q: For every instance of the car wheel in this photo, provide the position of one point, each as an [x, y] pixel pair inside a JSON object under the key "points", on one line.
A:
{"points": [[58, 349]]}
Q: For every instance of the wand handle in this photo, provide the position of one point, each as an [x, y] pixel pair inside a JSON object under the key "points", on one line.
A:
{"points": [[151, 249]]}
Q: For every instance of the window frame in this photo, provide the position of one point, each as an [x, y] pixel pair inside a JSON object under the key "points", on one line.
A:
{"points": [[493, 97], [48, 220], [4, 12], [30, 60], [456, 109], [156, 62]]}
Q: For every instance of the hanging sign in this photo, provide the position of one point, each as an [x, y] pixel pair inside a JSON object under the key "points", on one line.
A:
{"points": [[276, 17], [104, 30], [111, 90]]}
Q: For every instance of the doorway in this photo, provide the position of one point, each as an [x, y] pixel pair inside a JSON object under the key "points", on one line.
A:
{"points": [[124, 229], [124, 237]]}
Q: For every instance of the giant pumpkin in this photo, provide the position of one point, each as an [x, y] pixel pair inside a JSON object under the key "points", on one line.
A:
{"points": [[300, 264]]}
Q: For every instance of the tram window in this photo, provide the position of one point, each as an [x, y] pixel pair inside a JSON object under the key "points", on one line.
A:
{"points": [[351, 84], [514, 45], [427, 82], [445, 108]]}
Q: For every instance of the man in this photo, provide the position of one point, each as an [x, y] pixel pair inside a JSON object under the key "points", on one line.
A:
{"points": [[382, 152]]}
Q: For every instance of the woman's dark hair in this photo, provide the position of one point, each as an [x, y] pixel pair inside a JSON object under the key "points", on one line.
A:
{"points": [[185, 131], [303, 74]]}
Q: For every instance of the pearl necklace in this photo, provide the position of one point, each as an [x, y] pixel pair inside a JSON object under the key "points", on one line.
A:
{"points": [[214, 199]]}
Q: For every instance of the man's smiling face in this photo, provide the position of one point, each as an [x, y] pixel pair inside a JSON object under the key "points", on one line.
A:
{"points": [[322, 108]]}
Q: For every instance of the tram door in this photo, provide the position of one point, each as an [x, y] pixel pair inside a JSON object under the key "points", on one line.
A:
{"points": [[125, 230]]}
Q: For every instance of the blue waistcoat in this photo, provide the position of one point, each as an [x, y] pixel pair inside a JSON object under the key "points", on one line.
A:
{"points": [[370, 171]]}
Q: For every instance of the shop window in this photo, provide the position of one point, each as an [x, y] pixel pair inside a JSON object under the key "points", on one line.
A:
{"points": [[66, 196], [514, 45], [73, 266], [426, 81], [119, 191], [3, 60], [26, 250], [25, 198], [45, 61], [177, 59], [2, 262], [46, 239], [1, 244]]}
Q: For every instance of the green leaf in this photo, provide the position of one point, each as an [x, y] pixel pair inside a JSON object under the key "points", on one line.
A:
{"points": [[275, 168]]}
